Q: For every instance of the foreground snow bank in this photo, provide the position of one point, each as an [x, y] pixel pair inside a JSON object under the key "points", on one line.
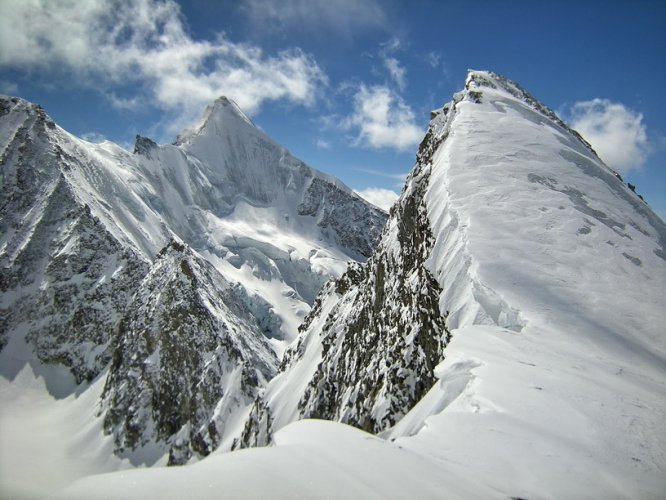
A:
{"points": [[70, 440], [311, 459], [539, 414], [512, 415]]}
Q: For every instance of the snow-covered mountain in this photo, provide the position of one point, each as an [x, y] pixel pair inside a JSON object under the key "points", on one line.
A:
{"points": [[178, 272], [508, 219], [505, 339], [190, 354], [534, 278]]}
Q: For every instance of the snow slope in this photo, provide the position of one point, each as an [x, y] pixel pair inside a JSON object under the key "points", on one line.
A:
{"points": [[312, 459], [550, 275], [562, 390], [46, 442]]}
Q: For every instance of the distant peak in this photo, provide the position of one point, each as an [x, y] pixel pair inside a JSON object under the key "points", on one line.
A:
{"points": [[224, 103], [221, 112], [143, 145], [9, 104]]}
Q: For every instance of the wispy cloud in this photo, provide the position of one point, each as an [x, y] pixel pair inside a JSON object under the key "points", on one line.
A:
{"points": [[93, 137], [323, 144], [344, 17], [380, 197], [396, 71], [129, 103], [616, 132], [399, 177], [391, 45], [382, 119], [8, 88], [108, 44], [434, 59]]}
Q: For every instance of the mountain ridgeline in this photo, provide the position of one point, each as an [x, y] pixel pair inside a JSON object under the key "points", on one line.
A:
{"points": [[367, 353], [376, 334]]}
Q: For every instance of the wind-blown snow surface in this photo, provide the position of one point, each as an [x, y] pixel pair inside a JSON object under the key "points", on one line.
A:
{"points": [[552, 278]]}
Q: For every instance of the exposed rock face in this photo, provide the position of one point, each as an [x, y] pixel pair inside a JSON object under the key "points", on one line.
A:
{"points": [[382, 342], [189, 355], [65, 279], [343, 214], [144, 145], [377, 332]]}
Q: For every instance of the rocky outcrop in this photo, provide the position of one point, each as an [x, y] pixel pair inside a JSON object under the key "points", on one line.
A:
{"points": [[378, 328], [65, 279], [189, 355], [351, 221]]}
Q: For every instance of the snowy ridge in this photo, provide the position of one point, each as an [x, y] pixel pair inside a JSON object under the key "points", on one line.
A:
{"points": [[464, 300], [555, 235], [547, 201], [551, 278]]}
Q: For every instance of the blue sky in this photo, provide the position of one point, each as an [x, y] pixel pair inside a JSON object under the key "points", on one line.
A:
{"points": [[345, 85]]}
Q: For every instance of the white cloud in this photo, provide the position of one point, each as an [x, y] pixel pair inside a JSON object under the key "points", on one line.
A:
{"points": [[380, 197], [8, 88], [383, 120], [396, 71], [344, 17], [617, 133], [111, 43], [323, 144], [128, 103], [401, 178], [93, 137]]}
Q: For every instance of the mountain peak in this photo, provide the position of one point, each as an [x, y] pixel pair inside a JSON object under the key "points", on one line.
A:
{"points": [[19, 106], [480, 82], [221, 114], [143, 145], [224, 105]]}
